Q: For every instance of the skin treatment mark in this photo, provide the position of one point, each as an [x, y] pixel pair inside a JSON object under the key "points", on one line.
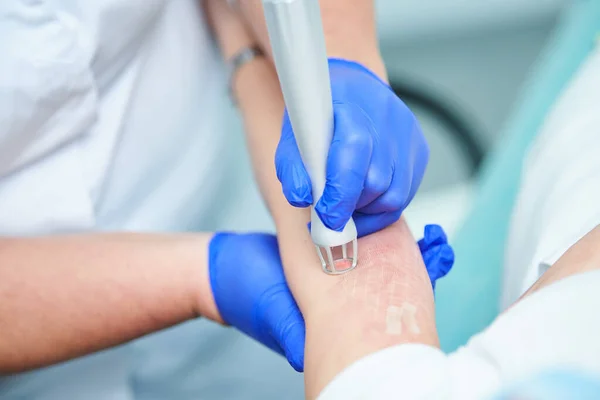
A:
{"points": [[398, 318], [392, 314]]}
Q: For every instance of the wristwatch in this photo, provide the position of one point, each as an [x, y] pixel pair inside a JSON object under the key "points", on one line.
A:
{"points": [[239, 59]]}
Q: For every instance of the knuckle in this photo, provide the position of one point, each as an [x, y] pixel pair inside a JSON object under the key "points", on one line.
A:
{"points": [[352, 125], [378, 180], [394, 199], [358, 139]]}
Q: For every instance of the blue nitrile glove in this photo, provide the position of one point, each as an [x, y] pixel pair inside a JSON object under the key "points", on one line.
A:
{"points": [[376, 160], [251, 292], [437, 254]]}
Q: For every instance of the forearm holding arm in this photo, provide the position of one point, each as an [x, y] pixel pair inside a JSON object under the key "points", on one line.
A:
{"points": [[63, 297], [349, 25]]}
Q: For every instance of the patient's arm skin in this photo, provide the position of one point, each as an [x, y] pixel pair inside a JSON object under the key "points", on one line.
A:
{"points": [[583, 256], [66, 296], [386, 300], [349, 26]]}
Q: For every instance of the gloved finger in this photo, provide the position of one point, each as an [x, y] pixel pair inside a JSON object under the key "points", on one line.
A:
{"points": [[291, 172], [419, 159], [380, 173], [367, 223], [395, 197], [406, 173], [293, 345], [438, 261], [447, 258], [279, 312], [378, 181], [347, 166], [433, 235]]}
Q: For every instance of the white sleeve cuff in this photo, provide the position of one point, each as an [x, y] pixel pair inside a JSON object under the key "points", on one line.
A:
{"points": [[415, 371], [408, 370], [541, 331]]}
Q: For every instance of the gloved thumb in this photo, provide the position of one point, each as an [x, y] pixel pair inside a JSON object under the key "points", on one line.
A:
{"points": [[292, 174], [285, 324], [293, 346], [438, 262]]}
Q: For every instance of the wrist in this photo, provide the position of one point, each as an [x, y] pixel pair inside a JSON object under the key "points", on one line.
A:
{"points": [[351, 33], [195, 259], [349, 63], [371, 61], [230, 32]]}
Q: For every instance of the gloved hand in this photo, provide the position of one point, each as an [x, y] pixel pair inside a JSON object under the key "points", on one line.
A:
{"points": [[437, 254], [251, 292], [376, 161]]}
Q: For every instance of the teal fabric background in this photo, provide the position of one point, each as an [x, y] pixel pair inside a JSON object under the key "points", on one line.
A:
{"points": [[468, 299]]}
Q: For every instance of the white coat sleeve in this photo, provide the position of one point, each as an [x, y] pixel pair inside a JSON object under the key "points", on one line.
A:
{"points": [[552, 327]]}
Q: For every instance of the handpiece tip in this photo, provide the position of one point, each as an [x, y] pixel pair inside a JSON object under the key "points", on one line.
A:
{"points": [[338, 260]]}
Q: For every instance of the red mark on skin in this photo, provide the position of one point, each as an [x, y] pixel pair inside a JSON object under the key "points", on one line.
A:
{"points": [[343, 264]]}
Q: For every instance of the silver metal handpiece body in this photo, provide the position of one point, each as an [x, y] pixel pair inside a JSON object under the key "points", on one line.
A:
{"points": [[298, 44]]}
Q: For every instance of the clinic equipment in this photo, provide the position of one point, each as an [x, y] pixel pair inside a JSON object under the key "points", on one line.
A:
{"points": [[298, 44]]}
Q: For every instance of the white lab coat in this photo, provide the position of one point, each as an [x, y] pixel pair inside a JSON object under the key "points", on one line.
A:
{"points": [[112, 118], [557, 327]]}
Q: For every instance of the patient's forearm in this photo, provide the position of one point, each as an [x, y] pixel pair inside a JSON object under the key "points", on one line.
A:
{"points": [[583, 256], [387, 300]]}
